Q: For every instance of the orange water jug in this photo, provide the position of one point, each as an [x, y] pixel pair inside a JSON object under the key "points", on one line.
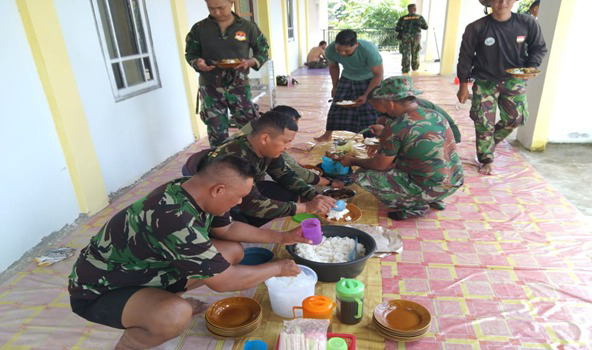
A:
{"points": [[316, 306]]}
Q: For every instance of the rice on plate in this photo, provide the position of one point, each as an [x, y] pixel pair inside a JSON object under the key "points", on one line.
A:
{"points": [[330, 250]]}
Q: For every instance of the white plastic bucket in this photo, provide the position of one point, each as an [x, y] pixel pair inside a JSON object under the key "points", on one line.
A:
{"points": [[284, 296]]}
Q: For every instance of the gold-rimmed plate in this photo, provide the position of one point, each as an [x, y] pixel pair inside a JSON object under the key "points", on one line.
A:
{"points": [[523, 73], [354, 213], [229, 63], [315, 169], [402, 316]]}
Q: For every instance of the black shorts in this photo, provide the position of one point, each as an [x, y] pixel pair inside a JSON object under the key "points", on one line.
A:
{"points": [[107, 309]]}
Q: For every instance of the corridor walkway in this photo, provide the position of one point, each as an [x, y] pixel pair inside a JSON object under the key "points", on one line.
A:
{"points": [[506, 266]]}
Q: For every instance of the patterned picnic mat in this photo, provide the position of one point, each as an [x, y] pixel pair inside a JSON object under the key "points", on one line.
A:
{"points": [[506, 266]]}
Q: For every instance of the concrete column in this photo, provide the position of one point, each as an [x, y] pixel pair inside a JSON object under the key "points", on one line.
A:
{"points": [[555, 19], [44, 34], [179, 10], [453, 11]]}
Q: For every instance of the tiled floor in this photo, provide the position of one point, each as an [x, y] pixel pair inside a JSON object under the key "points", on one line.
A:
{"points": [[506, 266]]}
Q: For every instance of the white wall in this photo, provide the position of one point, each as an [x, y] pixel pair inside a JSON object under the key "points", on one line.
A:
{"points": [[37, 194], [134, 135], [435, 14], [277, 39], [471, 10], [570, 122], [293, 51]]}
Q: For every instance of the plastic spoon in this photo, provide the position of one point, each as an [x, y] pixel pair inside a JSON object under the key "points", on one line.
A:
{"points": [[354, 253]]}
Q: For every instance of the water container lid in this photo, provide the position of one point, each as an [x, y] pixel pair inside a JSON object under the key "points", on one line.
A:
{"points": [[349, 287], [317, 304]]}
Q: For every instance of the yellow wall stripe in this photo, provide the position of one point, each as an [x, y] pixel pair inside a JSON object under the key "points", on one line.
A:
{"points": [[554, 68], [44, 34], [179, 10], [264, 22], [450, 32]]}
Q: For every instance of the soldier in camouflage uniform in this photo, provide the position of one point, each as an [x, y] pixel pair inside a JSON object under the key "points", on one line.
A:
{"points": [[490, 45], [224, 35], [263, 148], [416, 165], [306, 174], [409, 32], [131, 273]]}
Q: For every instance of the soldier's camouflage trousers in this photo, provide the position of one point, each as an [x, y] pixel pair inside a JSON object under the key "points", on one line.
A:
{"points": [[510, 95], [394, 188], [215, 104], [317, 64], [410, 50]]}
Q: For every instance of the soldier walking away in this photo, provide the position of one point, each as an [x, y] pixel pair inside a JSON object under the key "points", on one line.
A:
{"points": [[409, 32], [490, 45], [224, 35]]}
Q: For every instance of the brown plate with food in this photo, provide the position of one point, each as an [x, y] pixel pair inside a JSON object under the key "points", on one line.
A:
{"points": [[314, 169], [229, 63], [354, 214], [339, 193], [523, 73]]}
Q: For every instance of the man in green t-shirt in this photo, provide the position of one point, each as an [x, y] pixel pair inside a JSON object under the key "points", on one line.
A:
{"points": [[177, 238], [362, 72], [416, 165], [224, 35]]}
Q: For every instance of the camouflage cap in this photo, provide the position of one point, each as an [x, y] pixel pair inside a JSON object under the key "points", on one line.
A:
{"points": [[395, 88]]}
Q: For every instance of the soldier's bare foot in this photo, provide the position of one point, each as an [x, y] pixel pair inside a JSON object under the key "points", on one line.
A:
{"points": [[486, 168], [197, 305], [327, 136]]}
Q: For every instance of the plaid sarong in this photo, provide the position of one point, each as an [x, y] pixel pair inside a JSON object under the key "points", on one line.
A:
{"points": [[350, 119]]}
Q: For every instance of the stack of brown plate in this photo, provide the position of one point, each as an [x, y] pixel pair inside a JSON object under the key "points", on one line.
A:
{"points": [[233, 317], [401, 320]]}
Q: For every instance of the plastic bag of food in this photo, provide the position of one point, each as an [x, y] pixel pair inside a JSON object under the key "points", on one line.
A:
{"points": [[304, 333], [52, 256]]}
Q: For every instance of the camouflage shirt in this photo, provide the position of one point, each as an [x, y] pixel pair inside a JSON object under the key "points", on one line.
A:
{"points": [[308, 176], [255, 204], [155, 242], [424, 147], [411, 24], [206, 40]]}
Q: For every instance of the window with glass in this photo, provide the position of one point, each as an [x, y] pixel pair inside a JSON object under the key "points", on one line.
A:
{"points": [[290, 9], [244, 9], [124, 33]]}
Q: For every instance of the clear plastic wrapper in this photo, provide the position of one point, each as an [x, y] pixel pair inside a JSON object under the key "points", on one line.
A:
{"points": [[304, 334]]}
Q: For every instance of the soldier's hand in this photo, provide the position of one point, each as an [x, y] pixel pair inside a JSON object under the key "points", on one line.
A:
{"points": [[463, 93], [361, 100], [333, 91], [376, 129], [202, 65], [321, 204], [294, 236], [371, 150], [286, 268], [246, 64], [347, 161], [337, 184]]}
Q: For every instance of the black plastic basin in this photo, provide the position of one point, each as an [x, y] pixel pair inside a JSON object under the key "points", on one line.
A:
{"points": [[332, 272]]}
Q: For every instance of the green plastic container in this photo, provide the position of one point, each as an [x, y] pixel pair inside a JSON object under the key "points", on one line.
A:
{"points": [[336, 344], [350, 300]]}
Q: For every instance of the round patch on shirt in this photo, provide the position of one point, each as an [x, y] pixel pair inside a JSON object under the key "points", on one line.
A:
{"points": [[489, 41], [240, 36]]}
